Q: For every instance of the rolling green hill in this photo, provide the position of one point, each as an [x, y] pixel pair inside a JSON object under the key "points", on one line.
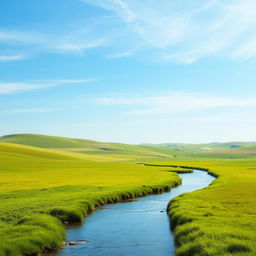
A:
{"points": [[44, 141], [43, 177], [37, 185], [106, 151], [89, 147], [250, 149], [208, 147], [14, 150]]}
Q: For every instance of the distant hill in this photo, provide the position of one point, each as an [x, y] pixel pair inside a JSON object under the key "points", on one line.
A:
{"points": [[119, 151], [207, 147], [44, 141], [16, 151], [88, 146], [249, 149]]}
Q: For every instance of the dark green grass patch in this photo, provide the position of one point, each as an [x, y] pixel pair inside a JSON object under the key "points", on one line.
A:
{"points": [[31, 235]]}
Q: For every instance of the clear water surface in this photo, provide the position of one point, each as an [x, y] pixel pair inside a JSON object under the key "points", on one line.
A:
{"points": [[137, 228]]}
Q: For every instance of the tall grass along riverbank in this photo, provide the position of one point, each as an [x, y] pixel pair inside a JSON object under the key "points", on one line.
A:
{"points": [[219, 220], [46, 182], [41, 189]]}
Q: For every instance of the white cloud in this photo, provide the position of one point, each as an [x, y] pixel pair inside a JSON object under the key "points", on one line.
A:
{"points": [[6, 58], [31, 110], [7, 88], [26, 37], [118, 6], [180, 31], [247, 49], [127, 53], [176, 102], [189, 30], [76, 40], [77, 47]]}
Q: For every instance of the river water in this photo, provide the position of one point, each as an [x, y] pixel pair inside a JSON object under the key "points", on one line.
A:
{"points": [[137, 228]]}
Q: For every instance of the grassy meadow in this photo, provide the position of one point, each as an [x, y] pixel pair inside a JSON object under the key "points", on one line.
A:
{"points": [[219, 220], [37, 185], [46, 182]]}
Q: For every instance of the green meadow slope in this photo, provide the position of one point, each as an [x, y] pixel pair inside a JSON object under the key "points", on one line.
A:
{"points": [[207, 147], [37, 185], [42, 187], [89, 147], [250, 149], [219, 220], [44, 141]]}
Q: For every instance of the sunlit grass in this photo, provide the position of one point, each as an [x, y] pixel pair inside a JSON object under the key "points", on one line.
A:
{"points": [[37, 185], [221, 218]]}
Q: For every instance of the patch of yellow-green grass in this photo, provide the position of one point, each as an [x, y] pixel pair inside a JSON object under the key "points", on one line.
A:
{"points": [[251, 150], [219, 220], [206, 147], [44, 141], [101, 151], [38, 185]]}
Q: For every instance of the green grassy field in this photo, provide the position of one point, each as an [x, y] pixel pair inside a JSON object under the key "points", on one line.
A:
{"points": [[221, 218], [207, 147], [112, 151], [44, 177], [37, 184]]}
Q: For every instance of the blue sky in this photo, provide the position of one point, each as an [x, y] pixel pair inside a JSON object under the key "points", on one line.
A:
{"points": [[129, 71]]}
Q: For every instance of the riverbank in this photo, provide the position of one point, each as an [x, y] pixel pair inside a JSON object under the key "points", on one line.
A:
{"points": [[220, 219], [50, 232], [41, 189], [138, 227], [36, 183]]}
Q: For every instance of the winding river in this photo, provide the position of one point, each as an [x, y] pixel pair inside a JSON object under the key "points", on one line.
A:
{"points": [[138, 228]]}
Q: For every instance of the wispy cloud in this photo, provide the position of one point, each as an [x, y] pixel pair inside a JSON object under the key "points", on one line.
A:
{"points": [[119, 6], [7, 88], [187, 31], [7, 58], [127, 53], [17, 36], [36, 42], [178, 31], [31, 110], [76, 47], [176, 102]]}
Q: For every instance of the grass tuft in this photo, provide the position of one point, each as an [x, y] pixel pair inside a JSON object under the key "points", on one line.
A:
{"points": [[237, 248]]}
